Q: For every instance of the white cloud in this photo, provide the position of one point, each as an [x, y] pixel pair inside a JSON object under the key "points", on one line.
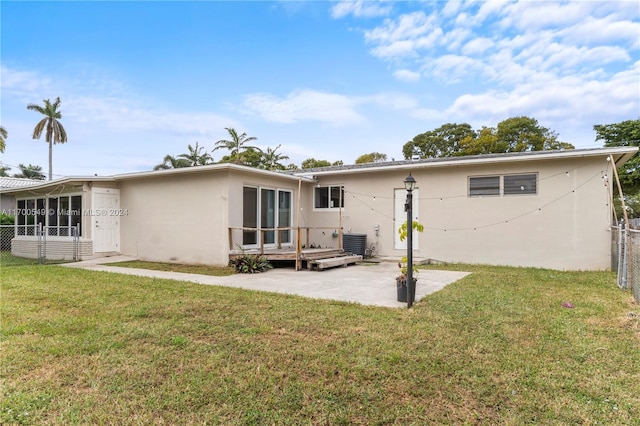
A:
{"points": [[452, 68], [413, 26], [392, 43], [359, 9], [25, 84], [592, 31], [406, 75], [390, 100], [477, 46], [304, 105], [527, 37], [538, 15], [556, 100]]}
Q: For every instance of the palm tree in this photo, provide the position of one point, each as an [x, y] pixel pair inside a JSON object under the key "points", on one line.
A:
{"points": [[55, 132], [237, 144], [271, 160], [3, 137], [29, 172], [195, 158], [171, 162]]}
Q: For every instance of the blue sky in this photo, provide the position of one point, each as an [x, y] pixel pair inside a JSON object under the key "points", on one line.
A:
{"points": [[329, 80]]}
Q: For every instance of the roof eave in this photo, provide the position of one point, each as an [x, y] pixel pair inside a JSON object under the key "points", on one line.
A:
{"points": [[208, 168], [619, 154]]}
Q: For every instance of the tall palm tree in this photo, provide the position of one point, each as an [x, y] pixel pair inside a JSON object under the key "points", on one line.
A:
{"points": [[3, 137], [195, 157], [237, 144], [271, 159], [171, 162], [55, 133]]}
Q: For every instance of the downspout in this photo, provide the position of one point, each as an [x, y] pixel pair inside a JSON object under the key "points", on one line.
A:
{"points": [[298, 231]]}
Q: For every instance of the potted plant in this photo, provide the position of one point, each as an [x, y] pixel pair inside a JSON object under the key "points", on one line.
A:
{"points": [[401, 280]]}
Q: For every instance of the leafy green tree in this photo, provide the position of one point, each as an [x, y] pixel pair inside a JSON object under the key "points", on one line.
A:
{"points": [[372, 157], [312, 162], [485, 142], [237, 144], [625, 133], [3, 136], [525, 134], [441, 142], [271, 159], [55, 132], [4, 170], [514, 134], [30, 172], [171, 162], [196, 157], [250, 157]]}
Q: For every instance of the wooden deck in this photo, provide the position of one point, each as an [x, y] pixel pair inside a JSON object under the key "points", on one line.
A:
{"points": [[308, 256]]}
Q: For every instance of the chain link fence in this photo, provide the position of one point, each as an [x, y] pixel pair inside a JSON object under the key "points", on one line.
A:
{"points": [[27, 244], [625, 259]]}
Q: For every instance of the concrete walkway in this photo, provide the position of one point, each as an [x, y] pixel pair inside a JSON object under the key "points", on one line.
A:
{"points": [[366, 284]]}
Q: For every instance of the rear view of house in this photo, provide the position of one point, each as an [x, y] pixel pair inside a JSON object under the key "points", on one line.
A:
{"points": [[547, 209]]}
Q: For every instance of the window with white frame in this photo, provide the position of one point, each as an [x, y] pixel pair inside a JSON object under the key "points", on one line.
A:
{"points": [[328, 197], [58, 214], [266, 208], [505, 185]]}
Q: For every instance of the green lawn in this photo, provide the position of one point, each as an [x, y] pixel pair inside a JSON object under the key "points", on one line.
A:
{"points": [[218, 271], [7, 259], [85, 347]]}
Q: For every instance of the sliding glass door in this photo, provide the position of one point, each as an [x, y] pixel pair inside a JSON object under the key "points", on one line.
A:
{"points": [[284, 215], [268, 214], [249, 215], [265, 208]]}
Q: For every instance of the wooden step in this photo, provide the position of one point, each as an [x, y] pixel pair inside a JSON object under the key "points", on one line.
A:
{"points": [[321, 254], [332, 262]]}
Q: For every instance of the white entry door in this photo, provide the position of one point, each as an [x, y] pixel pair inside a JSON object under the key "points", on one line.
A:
{"points": [[400, 217], [106, 220]]}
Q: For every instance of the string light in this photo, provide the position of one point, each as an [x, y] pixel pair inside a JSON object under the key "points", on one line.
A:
{"points": [[475, 228]]}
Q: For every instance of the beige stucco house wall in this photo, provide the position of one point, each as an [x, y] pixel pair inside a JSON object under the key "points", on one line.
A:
{"points": [[185, 215], [564, 225]]}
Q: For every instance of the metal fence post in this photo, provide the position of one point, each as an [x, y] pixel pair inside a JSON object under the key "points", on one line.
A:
{"points": [[42, 242], [625, 259]]}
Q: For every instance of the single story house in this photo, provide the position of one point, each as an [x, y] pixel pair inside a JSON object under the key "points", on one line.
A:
{"points": [[548, 209]]}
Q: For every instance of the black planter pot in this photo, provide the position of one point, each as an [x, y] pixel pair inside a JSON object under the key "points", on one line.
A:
{"points": [[402, 289]]}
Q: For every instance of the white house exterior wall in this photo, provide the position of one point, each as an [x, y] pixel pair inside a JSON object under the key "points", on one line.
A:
{"points": [[178, 218], [564, 226]]}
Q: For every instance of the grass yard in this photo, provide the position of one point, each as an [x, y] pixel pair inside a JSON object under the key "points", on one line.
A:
{"points": [[86, 347], [218, 271], [7, 259]]}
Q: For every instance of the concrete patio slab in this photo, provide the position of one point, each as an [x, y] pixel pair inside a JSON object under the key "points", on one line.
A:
{"points": [[365, 283]]}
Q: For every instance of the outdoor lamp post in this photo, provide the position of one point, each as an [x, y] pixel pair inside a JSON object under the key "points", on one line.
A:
{"points": [[409, 185]]}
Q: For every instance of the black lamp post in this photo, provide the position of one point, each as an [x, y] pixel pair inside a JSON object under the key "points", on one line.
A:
{"points": [[409, 185]]}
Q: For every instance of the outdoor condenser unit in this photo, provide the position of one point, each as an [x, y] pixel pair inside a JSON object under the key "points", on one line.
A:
{"points": [[354, 243]]}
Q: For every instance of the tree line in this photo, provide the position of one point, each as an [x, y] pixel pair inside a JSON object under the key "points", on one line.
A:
{"points": [[515, 134]]}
